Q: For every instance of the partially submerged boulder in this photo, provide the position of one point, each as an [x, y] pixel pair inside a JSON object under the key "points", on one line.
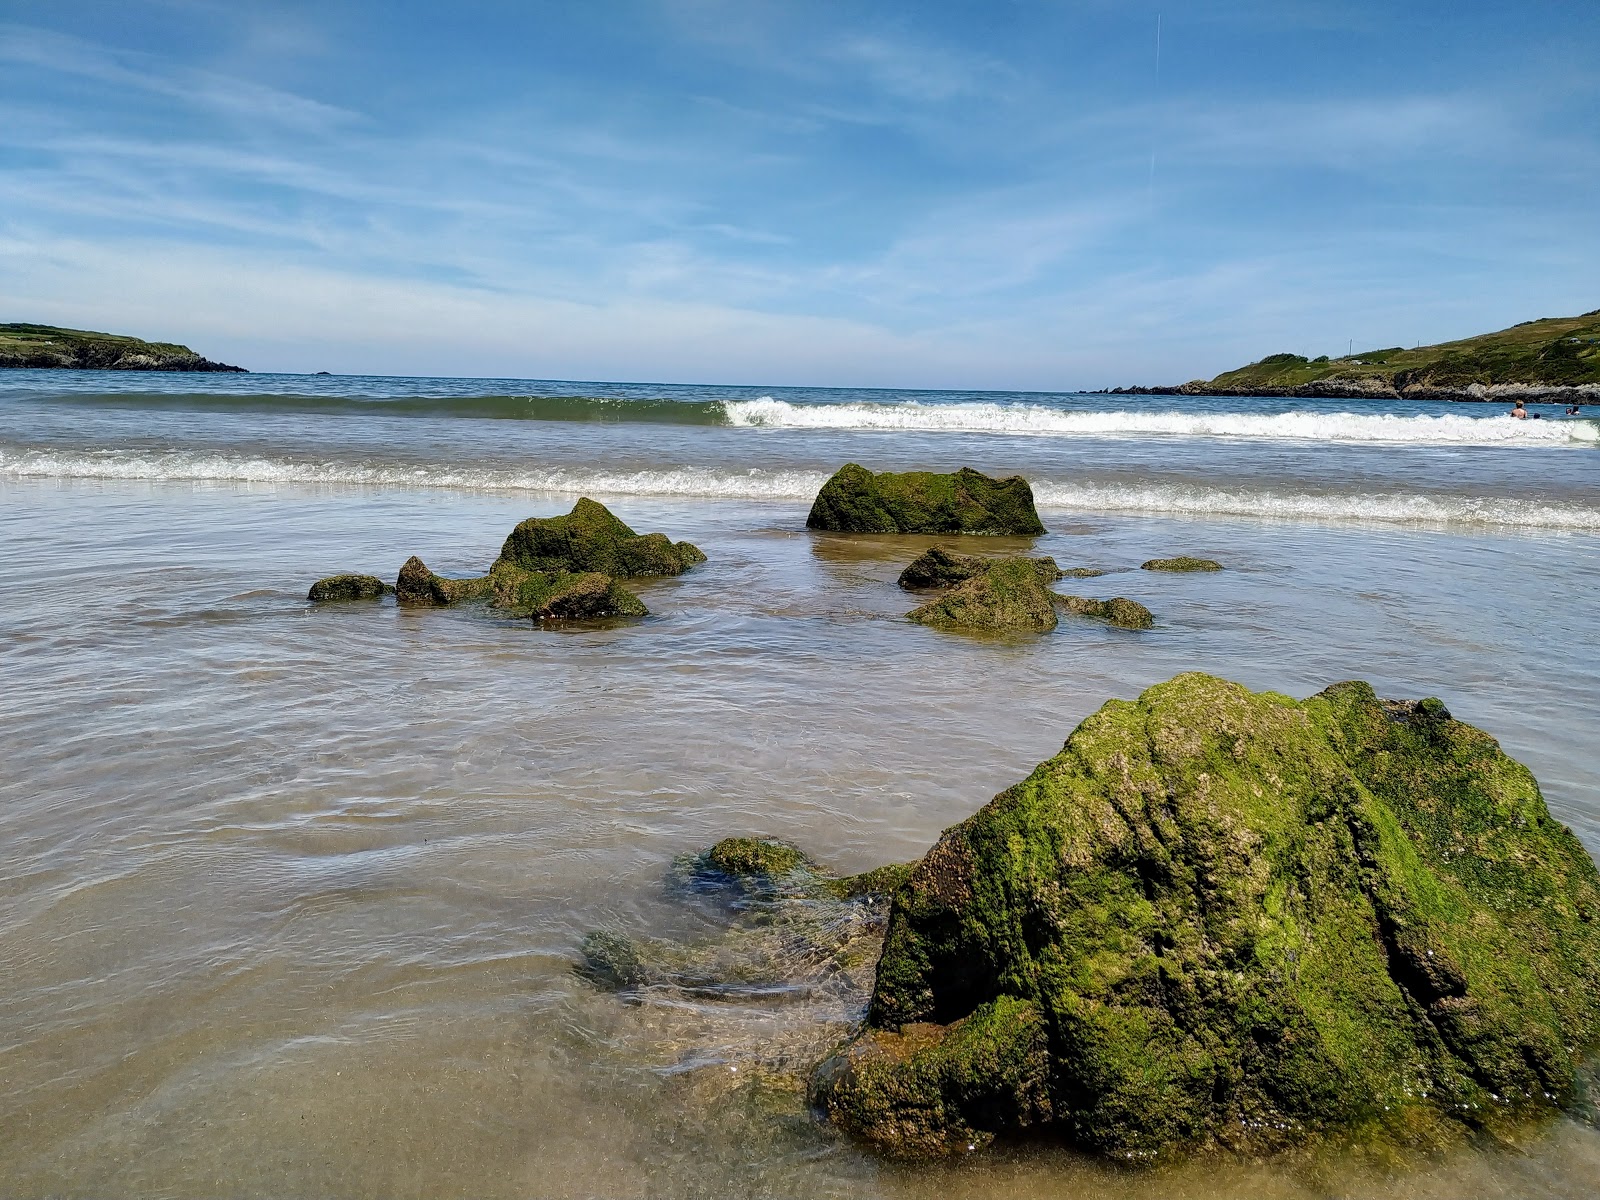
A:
{"points": [[558, 568], [417, 585], [1008, 596], [1227, 919], [854, 500], [561, 595], [1119, 610], [590, 538], [348, 587], [939, 567], [1182, 563]]}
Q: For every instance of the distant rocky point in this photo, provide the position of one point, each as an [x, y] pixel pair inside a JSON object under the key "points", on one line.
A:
{"points": [[23, 345], [1554, 360]]}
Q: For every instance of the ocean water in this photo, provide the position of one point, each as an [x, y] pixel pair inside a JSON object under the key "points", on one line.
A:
{"points": [[290, 896]]}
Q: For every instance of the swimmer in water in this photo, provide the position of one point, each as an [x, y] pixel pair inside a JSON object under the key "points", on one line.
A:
{"points": [[1519, 412]]}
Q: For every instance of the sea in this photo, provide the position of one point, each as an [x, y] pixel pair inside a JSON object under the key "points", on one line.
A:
{"points": [[291, 895]]}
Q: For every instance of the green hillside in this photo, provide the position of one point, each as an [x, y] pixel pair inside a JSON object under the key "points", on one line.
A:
{"points": [[1549, 352], [24, 345]]}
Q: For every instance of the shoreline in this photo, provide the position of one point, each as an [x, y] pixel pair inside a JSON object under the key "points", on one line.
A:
{"points": [[1476, 393]]}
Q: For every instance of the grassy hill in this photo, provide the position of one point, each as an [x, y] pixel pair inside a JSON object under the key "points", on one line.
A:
{"points": [[1552, 352], [23, 345]]}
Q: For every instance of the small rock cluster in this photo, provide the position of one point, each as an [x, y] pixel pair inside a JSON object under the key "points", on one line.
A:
{"points": [[550, 568]]}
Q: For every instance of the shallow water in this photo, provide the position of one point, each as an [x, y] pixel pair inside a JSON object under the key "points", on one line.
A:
{"points": [[291, 895]]}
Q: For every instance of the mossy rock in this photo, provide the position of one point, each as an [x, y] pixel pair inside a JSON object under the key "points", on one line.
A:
{"points": [[1008, 597], [1119, 610], [348, 587], [854, 500], [1182, 563], [561, 595], [417, 585], [1080, 573], [591, 539], [940, 567], [1236, 921]]}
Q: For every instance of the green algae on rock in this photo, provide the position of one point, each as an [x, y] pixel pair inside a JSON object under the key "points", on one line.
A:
{"points": [[1233, 920], [1008, 596], [417, 585], [854, 500], [590, 538], [561, 595], [1182, 563], [939, 567], [348, 587], [1119, 610]]}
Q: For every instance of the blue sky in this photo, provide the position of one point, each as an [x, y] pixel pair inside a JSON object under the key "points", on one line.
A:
{"points": [[1005, 194]]}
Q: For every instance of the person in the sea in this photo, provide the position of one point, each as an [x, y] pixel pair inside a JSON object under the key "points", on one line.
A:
{"points": [[1519, 412], [1573, 411]]}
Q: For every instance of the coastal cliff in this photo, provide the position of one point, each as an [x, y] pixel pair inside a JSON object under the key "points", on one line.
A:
{"points": [[1554, 360], [23, 345]]}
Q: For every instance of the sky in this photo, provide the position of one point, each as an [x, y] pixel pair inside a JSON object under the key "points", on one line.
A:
{"points": [[998, 194]]}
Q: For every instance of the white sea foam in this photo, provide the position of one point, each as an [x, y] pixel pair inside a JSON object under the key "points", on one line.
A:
{"points": [[1394, 508], [794, 485], [1451, 429], [202, 467]]}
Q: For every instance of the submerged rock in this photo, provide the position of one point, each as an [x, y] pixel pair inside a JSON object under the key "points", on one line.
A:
{"points": [[798, 927], [854, 500], [1080, 573], [1226, 919], [1119, 610], [1182, 563], [1008, 596], [348, 587], [939, 567], [589, 539]]}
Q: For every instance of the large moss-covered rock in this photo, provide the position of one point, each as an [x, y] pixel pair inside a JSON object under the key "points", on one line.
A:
{"points": [[1119, 610], [1183, 562], [590, 538], [854, 500], [1220, 918], [1008, 596], [348, 587], [939, 567]]}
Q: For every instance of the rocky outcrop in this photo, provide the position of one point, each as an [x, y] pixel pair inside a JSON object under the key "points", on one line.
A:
{"points": [[940, 567], [854, 500], [590, 538], [1182, 563], [1234, 920], [1119, 610], [349, 587], [1009, 596], [558, 568], [24, 345]]}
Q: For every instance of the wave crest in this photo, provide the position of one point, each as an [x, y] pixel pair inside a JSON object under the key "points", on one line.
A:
{"points": [[1039, 420], [1154, 498]]}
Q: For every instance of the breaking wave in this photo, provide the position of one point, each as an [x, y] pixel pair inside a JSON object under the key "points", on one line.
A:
{"points": [[1014, 418], [1175, 499], [1040, 420]]}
